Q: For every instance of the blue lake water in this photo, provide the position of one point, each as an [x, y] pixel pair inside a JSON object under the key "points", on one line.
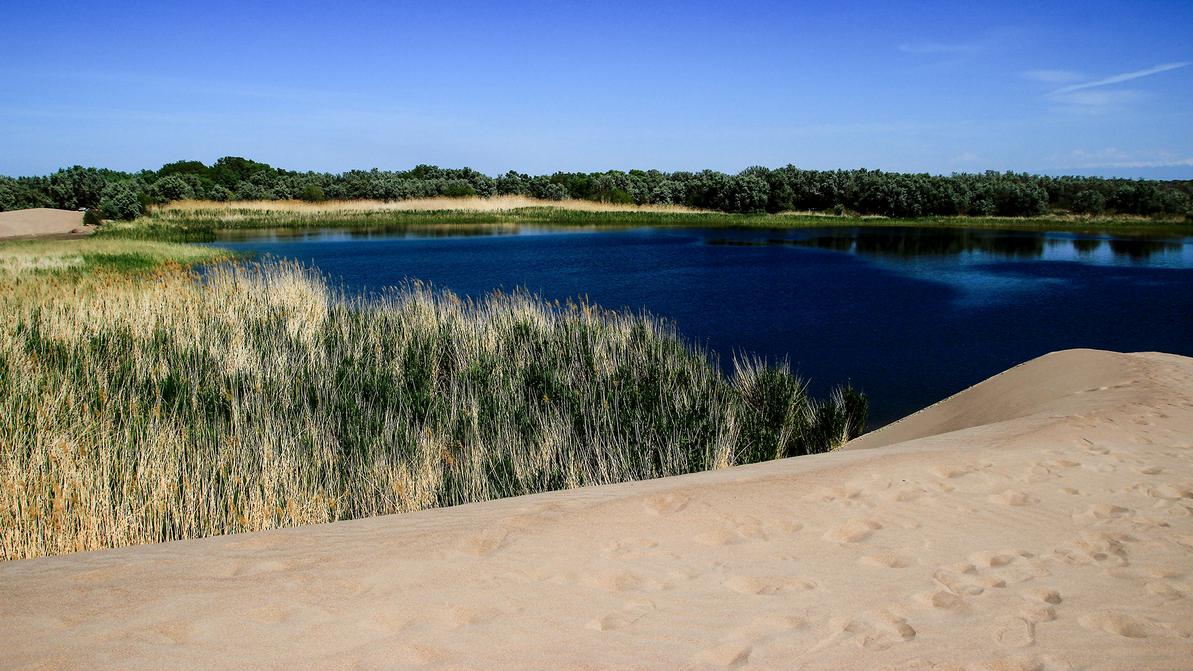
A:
{"points": [[909, 315]]}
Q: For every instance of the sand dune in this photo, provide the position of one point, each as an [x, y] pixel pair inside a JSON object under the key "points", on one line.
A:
{"points": [[42, 222], [1041, 520]]}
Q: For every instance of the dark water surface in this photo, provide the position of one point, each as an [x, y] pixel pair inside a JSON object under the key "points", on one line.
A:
{"points": [[909, 315]]}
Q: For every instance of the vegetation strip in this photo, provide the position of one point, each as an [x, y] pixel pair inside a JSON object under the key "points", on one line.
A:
{"points": [[122, 195], [142, 403]]}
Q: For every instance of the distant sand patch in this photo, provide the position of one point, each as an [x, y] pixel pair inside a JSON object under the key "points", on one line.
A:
{"points": [[42, 222]]}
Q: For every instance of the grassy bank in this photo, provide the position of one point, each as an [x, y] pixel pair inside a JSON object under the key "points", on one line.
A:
{"points": [[198, 220], [140, 402]]}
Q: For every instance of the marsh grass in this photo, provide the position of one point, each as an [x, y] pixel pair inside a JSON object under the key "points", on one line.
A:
{"points": [[148, 407], [200, 220], [31, 260]]}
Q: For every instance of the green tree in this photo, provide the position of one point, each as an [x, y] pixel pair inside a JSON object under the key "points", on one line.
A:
{"points": [[170, 188], [1089, 202], [120, 202], [313, 193], [75, 187]]}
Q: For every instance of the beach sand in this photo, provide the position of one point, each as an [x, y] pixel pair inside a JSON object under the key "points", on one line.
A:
{"points": [[42, 222], [1040, 520]]}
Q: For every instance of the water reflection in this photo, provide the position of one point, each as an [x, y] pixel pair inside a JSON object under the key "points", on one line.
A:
{"points": [[368, 233], [910, 243], [1141, 249]]}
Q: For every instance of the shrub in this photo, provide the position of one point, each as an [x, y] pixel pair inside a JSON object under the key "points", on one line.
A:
{"points": [[170, 188], [1089, 202], [120, 202], [313, 193], [92, 217], [458, 189]]}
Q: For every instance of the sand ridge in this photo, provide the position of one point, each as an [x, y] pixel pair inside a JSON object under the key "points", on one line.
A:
{"points": [[1040, 520], [41, 222]]}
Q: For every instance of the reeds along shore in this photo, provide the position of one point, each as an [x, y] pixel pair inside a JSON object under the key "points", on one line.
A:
{"points": [[138, 409]]}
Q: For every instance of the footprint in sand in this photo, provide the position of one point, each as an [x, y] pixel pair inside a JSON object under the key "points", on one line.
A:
{"points": [[1113, 622], [1014, 632], [1102, 511], [630, 549], [947, 471], [1011, 497], [996, 559], [271, 614], [666, 504], [885, 560], [1037, 612], [1164, 589], [717, 537], [485, 543], [943, 600], [873, 631], [1042, 595], [755, 585], [726, 656], [855, 530]]}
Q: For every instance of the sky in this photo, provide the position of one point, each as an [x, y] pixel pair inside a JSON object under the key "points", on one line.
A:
{"points": [[1102, 88]]}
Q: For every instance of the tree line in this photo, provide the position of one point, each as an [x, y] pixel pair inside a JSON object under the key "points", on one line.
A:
{"points": [[123, 195]]}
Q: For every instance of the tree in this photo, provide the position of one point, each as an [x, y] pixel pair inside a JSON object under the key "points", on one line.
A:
{"points": [[1089, 202], [313, 193], [120, 202], [9, 193], [170, 188], [75, 187]]}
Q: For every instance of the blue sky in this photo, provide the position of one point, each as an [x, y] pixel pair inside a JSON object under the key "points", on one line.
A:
{"points": [[1082, 87]]}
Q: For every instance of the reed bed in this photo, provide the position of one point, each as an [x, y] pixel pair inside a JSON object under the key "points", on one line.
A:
{"points": [[192, 220], [154, 407], [437, 204]]}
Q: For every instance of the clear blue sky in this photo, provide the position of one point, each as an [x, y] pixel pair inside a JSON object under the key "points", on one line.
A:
{"points": [[1080, 87]]}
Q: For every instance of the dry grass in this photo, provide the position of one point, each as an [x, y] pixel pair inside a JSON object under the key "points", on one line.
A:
{"points": [[232, 209], [154, 407]]}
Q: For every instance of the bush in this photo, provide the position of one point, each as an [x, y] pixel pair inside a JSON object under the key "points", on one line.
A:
{"points": [[458, 189], [312, 193], [120, 202], [1089, 202], [170, 188], [92, 217]]}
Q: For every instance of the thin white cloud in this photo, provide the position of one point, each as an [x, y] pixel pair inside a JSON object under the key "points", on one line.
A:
{"points": [[942, 47], [1178, 163], [1112, 157], [1124, 77], [1052, 76], [1098, 101]]}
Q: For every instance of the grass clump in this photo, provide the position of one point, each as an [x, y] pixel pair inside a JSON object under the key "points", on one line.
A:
{"points": [[148, 408]]}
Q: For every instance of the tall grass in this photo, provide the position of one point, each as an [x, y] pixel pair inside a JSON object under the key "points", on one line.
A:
{"points": [[138, 409]]}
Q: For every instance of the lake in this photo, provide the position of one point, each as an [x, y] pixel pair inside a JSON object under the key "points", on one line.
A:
{"points": [[909, 315]]}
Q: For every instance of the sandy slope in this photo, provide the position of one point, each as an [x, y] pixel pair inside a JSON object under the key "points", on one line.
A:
{"points": [[41, 222], [1051, 528]]}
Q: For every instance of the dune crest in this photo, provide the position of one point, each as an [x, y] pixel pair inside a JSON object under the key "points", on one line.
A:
{"points": [[1040, 520]]}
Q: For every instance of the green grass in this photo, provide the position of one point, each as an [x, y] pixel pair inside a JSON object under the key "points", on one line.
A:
{"points": [[150, 406], [96, 255]]}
